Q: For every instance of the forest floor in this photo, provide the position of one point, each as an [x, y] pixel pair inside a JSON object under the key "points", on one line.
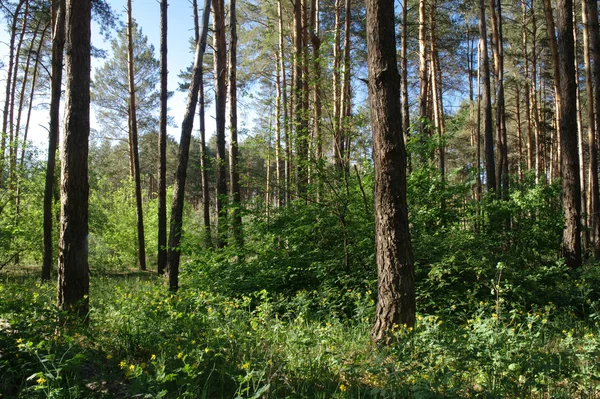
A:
{"points": [[139, 341]]}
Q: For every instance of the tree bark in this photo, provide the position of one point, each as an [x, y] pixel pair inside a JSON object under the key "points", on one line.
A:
{"points": [[73, 269], [133, 137], [58, 43], [396, 288], [220, 61], [162, 141], [404, 72], [184, 148], [568, 135], [490, 162], [594, 49], [234, 174]]}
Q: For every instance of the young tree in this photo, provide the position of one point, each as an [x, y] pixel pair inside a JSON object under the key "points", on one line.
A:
{"points": [[568, 135], [396, 289], [73, 269]]}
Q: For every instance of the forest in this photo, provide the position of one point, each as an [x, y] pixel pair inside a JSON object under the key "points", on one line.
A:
{"points": [[340, 199]]}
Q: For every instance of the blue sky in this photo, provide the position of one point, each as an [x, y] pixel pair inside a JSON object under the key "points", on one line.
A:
{"points": [[147, 15]]}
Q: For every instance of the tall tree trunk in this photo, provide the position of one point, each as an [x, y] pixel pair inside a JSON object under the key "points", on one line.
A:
{"points": [[184, 148], [13, 134], [220, 60], [423, 71], [346, 108], [338, 140], [551, 36], [594, 49], [286, 114], [396, 287], [539, 164], [317, 104], [278, 106], [162, 140], [527, 92], [73, 268], [568, 135], [36, 68], [503, 169], [12, 64], [436, 90], [300, 116], [404, 73], [234, 174], [133, 137], [203, 154], [58, 43], [581, 148], [490, 165]]}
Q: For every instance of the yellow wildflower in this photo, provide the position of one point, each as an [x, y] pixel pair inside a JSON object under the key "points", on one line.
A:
{"points": [[153, 357], [131, 367], [343, 388], [123, 364], [246, 366], [41, 380], [179, 355]]}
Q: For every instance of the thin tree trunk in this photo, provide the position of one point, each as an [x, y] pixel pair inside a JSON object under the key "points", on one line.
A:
{"points": [[300, 117], [73, 268], [13, 134], [404, 74], [58, 43], [346, 106], [184, 147], [278, 106], [580, 136], [162, 139], [396, 288], [527, 93], [490, 165], [338, 141], [286, 114], [234, 175], [203, 154], [317, 104], [12, 64], [36, 68], [133, 133], [423, 72], [594, 49]]}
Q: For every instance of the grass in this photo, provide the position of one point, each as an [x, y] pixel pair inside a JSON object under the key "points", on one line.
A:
{"points": [[142, 342]]}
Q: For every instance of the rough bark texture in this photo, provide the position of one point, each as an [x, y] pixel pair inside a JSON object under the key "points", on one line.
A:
{"points": [[58, 44], [568, 135], [396, 289], [133, 137], [184, 149], [220, 60], [162, 143], [73, 269], [488, 133]]}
